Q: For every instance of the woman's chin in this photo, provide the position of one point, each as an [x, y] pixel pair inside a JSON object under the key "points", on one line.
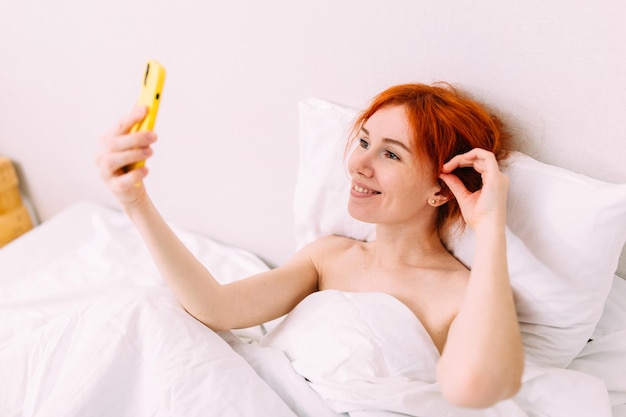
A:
{"points": [[360, 215]]}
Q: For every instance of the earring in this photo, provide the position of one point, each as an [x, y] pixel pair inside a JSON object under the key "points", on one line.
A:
{"points": [[433, 201]]}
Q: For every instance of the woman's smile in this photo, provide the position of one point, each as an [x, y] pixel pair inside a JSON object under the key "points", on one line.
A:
{"points": [[360, 190]]}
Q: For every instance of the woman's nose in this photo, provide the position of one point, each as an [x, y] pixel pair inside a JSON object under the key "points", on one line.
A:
{"points": [[360, 162]]}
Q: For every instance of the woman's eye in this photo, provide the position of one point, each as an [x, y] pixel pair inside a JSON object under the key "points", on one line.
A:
{"points": [[392, 155], [364, 144]]}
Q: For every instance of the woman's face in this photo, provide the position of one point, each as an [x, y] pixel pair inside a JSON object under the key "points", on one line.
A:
{"points": [[390, 182]]}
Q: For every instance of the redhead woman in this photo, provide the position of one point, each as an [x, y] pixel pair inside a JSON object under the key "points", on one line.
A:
{"points": [[422, 160]]}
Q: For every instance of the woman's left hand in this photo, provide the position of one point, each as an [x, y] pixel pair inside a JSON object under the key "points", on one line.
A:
{"points": [[488, 203]]}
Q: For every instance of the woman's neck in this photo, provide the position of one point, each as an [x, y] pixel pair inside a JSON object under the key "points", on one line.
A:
{"points": [[406, 245]]}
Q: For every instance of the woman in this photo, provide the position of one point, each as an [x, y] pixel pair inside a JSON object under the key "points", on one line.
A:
{"points": [[423, 156]]}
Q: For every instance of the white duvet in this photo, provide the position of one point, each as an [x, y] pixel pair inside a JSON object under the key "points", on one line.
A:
{"points": [[88, 329], [366, 352], [136, 353]]}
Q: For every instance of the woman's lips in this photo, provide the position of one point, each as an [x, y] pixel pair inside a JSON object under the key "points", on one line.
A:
{"points": [[360, 190]]}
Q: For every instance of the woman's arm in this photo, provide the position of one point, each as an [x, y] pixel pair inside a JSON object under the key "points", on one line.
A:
{"points": [[482, 361], [240, 304], [236, 305]]}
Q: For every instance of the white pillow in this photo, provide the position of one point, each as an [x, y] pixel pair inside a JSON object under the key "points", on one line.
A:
{"points": [[322, 187], [565, 233]]}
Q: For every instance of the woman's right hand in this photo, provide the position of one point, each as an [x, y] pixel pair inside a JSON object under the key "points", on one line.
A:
{"points": [[490, 200], [117, 150]]}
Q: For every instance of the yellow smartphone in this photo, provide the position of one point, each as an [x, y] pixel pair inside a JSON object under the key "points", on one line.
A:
{"points": [[150, 96]]}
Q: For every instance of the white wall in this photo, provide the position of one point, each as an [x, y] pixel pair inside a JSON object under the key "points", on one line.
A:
{"points": [[226, 160]]}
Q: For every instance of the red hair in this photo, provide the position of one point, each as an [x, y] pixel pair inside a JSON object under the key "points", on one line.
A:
{"points": [[444, 123]]}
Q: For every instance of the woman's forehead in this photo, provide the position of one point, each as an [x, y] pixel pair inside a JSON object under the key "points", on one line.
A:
{"points": [[390, 122]]}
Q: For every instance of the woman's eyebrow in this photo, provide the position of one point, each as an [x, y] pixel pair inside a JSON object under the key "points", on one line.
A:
{"points": [[389, 140], [397, 142]]}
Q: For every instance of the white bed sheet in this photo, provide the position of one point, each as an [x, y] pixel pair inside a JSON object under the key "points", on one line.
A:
{"points": [[605, 355], [89, 328], [89, 250]]}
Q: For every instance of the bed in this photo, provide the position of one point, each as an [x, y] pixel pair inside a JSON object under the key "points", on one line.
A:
{"points": [[89, 327]]}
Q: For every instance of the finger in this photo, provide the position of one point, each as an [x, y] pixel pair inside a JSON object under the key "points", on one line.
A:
{"points": [[455, 185], [479, 159], [129, 181], [113, 164], [129, 141], [136, 115], [460, 161]]}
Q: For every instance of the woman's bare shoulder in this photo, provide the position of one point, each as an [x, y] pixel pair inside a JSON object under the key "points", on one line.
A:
{"points": [[330, 247], [336, 242]]}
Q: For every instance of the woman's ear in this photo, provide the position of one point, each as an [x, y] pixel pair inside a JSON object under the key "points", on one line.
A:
{"points": [[440, 196], [444, 192]]}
